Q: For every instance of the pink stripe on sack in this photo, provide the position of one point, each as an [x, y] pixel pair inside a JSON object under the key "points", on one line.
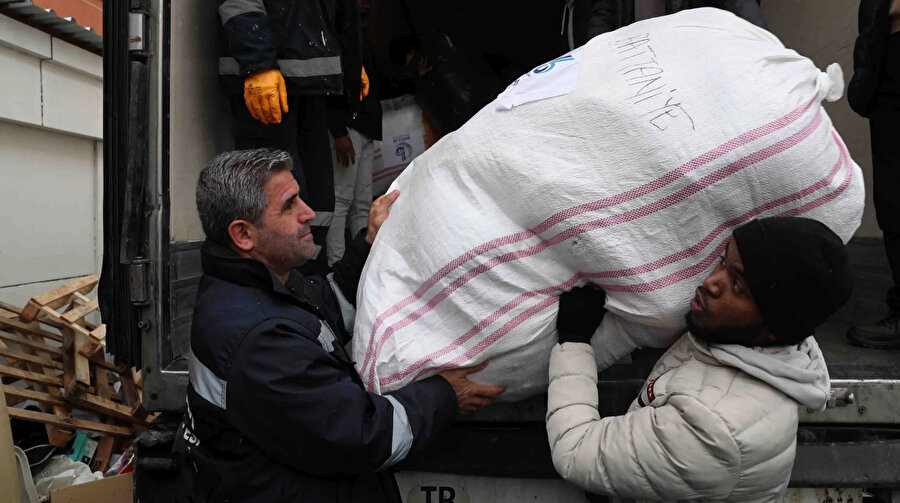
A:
{"points": [[497, 334], [556, 218], [731, 223], [636, 213], [843, 161], [697, 248], [695, 269], [828, 197], [480, 326]]}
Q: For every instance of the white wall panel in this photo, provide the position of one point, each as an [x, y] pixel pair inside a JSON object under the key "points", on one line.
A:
{"points": [[24, 38], [20, 86], [200, 114], [77, 59], [48, 202], [73, 101]]}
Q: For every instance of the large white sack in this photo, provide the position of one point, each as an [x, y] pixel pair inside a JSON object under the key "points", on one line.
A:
{"points": [[672, 132]]}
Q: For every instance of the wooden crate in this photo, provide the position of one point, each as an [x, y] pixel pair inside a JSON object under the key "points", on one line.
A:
{"points": [[52, 355]]}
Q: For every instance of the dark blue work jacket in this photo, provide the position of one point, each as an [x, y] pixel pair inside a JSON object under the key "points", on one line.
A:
{"points": [[276, 410], [298, 37]]}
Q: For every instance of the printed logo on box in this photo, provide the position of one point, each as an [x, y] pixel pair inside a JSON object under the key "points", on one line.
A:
{"points": [[403, 151]]}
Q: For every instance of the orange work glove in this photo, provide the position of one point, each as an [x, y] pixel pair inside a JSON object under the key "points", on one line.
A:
{"points": [[266, 96], [364, 85]]}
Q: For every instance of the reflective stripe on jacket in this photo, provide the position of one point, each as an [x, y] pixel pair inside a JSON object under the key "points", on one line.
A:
{"points": [[295, 36]]}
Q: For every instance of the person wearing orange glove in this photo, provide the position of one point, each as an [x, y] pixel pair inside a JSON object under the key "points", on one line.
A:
{"points": [[266, 96], [279, 59]]}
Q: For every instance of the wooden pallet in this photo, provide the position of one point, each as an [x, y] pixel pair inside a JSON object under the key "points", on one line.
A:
{"points": [[52, 355]]}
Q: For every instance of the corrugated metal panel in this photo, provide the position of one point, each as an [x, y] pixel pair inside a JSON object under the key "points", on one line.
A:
{"points": [[66, 28]]}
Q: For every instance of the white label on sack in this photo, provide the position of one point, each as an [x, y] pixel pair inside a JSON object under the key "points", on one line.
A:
{"points": [[554, 78], [403, 148]]}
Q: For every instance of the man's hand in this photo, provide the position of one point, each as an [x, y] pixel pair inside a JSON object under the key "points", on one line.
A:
{"points": [[470, 395], [580, 313], [266, 96], [378, 213], [343, 150]]}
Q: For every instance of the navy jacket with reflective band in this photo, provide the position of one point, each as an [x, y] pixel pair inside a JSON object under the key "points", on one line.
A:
{"points": [[276, 410], [295, 36]]}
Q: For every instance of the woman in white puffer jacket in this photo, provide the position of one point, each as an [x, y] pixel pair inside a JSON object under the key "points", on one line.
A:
{"points": [[717, 417]]}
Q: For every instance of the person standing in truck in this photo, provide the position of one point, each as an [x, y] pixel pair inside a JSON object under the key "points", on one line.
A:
{"points": [[717, 417], [278, 61], [874, 92], [276, 409], [354, 121]]}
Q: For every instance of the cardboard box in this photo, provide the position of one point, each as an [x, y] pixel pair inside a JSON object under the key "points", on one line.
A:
{"points": [[115, 489], [83, 448]]}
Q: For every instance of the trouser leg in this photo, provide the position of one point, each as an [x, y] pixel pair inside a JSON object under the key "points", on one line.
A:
{"points": [[249, 133], [344, 182], [362, 192], [892, 247], [884, 124], [314, 151]]}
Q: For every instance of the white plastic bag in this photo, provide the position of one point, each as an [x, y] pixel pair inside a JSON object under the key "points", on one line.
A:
{"points": [[62, 472], [679, 129]]}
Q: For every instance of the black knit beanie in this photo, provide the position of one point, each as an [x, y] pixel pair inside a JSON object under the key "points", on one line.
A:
{"points": [[798, 272]]}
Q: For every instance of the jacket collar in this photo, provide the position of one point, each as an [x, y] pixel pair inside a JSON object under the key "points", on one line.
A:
{"points": [[798, 371], [224, 263], [701, 350]]}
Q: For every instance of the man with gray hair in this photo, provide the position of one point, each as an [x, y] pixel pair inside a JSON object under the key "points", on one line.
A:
{"points": [[276, 409]]}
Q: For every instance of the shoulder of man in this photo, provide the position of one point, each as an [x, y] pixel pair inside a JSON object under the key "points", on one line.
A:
{"points": [[759, 421], [688, 368], [226, 314], [750, 409]]}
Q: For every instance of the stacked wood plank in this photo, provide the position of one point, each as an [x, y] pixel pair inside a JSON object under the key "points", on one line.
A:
{"points": [[50, 354]]}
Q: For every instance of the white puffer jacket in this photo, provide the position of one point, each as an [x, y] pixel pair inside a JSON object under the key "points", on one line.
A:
{"points": [[712, 423]]}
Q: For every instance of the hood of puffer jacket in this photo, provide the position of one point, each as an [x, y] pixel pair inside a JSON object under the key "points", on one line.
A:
{"points": [[798, 371]]}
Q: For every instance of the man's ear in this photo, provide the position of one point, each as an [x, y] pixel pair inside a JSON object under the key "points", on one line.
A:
{"points": [[243, 235]]}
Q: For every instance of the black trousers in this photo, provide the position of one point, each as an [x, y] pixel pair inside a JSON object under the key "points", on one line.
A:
{"points": [[303, 133], [884, 123]]}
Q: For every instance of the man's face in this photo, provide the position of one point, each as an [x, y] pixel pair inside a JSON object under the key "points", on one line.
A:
{"points": [[723, 309], [283, 240]]}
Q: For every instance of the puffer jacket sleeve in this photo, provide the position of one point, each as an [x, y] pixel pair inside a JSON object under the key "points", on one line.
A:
{"points": [[618, 336], [680, 450], [249, 34], [301, 406]]}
